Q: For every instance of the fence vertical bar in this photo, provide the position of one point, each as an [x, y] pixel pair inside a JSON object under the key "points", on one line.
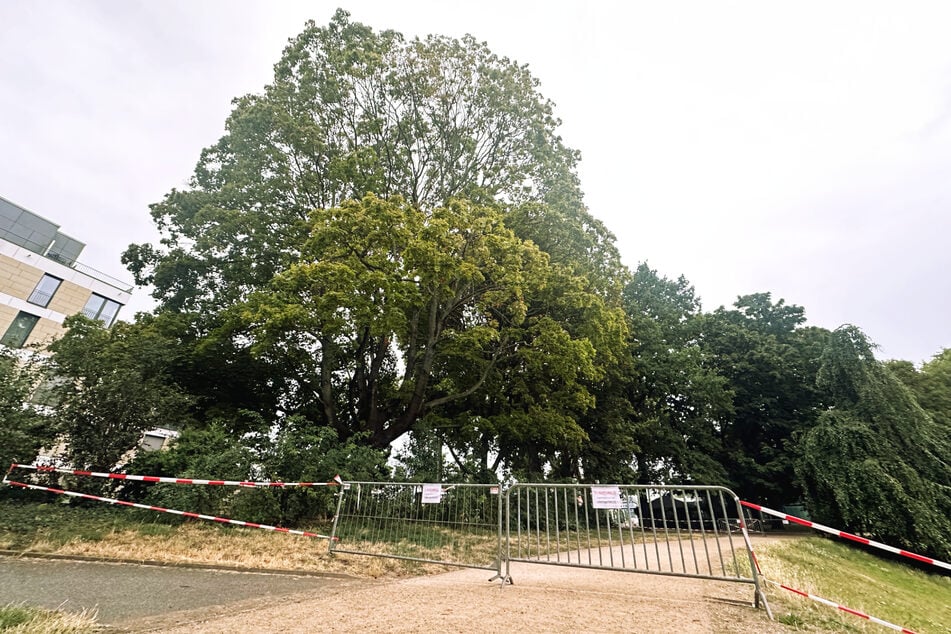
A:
{"points": [[334, 538], [680, 540]]}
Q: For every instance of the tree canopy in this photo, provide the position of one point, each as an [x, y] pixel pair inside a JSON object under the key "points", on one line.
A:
{"points": [[392, 312], [351, 112]]}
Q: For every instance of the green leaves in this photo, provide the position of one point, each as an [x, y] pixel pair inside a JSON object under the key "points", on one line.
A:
{"points": [[877, 463], [395, 311], [114, 385], [350, 112], [25, 427]]}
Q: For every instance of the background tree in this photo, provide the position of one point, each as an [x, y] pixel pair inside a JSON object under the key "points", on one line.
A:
{"points": [[931, 385], [770, 361], [678, 402]]}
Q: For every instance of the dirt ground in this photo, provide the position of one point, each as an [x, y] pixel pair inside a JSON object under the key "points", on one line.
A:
{"points": [[541, 599]]}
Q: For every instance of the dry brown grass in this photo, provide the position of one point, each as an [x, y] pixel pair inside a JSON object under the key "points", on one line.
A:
{"points": [[242, 548]]}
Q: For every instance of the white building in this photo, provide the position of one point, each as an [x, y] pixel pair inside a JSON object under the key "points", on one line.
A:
{"points": [[42, 282]]}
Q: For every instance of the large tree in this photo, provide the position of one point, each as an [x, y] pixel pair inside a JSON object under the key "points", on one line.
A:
{"points": [[392, 228]]}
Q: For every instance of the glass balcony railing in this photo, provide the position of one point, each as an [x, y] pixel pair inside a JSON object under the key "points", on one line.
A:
{"points": [[10, 236], [91, 272]]}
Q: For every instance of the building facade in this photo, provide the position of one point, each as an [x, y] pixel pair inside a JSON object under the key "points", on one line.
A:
{"points": [[42, 282]]}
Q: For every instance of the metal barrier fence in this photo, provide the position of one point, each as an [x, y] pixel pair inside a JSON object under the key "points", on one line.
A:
{"points": [[637, 528], [697, 532], [456, 524]]}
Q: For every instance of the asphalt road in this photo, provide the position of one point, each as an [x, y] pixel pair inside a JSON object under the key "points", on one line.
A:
{"points": [[140, 597]]}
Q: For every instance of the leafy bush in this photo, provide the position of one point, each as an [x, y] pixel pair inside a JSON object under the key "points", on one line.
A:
{"points": [[298, 451], [210, 453]]}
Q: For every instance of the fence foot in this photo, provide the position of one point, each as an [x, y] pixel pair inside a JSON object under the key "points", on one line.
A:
{"points": [[505, 579]]}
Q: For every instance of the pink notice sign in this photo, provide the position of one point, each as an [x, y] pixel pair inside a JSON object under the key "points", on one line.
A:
{"points": [[432, 493], [606, 497]]}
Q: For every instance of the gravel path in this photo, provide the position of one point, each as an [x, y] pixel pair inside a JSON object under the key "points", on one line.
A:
{"points": [[542, 599]]}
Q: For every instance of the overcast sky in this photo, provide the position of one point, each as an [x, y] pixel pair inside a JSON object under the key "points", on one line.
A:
{"points": [[797, 148]]}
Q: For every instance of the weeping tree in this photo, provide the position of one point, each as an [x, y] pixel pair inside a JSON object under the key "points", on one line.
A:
{"points": [[876, 463]]}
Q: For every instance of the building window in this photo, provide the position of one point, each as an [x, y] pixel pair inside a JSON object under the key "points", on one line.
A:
{"points": [[19, 330], [44, 291], [101, 308]]}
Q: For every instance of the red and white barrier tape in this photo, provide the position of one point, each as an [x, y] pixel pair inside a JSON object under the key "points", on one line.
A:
{"points": [[159, 509], [850, 536], [832, 604], [145, 478]]}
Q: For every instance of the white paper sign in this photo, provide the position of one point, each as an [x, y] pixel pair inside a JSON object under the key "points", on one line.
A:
{"points": [[606, 497], [432, 493]]}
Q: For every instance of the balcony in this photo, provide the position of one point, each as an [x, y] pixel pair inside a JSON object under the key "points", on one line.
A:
{"points": [[48, 252], [91, 272]]}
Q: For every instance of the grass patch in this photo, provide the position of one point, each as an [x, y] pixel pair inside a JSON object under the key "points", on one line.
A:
{"points": [[121, 533], [23, 523], [889, 590], [15, 619]]}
